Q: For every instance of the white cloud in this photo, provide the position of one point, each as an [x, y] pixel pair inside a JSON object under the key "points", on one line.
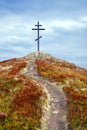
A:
{"points": [[66, 24], [84, 19]]}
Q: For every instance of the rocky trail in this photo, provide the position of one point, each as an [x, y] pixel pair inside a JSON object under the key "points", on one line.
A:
{"points": [[57, 114]]}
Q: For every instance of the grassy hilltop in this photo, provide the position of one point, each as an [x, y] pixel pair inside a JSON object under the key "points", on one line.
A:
{"points": [[22, 99]]}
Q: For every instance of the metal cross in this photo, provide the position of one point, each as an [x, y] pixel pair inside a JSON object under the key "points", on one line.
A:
{"points": [[38, 36]]}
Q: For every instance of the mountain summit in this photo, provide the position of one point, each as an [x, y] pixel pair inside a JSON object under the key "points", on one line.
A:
{"points": [[40, 92]]}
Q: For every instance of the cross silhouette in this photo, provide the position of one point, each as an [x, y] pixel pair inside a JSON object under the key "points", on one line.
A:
{"points": [[38, 35]]}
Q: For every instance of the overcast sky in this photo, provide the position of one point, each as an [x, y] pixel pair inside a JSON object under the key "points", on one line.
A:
{"points": [[65, 22]]}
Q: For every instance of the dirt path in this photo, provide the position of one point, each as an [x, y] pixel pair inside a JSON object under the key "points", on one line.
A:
{"points": [[57, 116]]}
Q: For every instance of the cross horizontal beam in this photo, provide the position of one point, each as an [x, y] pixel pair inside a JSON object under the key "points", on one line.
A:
{"points": [[38, 25], [38, 28]]}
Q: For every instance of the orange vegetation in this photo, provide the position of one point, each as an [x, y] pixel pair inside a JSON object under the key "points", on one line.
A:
{"points": [[75, 81], [58, 73], [21, 98]]}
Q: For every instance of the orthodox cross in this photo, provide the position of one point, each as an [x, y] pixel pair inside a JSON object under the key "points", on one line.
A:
{"points": [[38, 36]]}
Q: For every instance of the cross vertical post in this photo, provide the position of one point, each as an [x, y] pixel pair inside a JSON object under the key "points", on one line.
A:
{"points": [[38, 35]]}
